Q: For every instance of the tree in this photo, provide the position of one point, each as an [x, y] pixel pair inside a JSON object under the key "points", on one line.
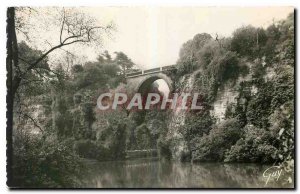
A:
{"points": [[124, 62], [187, 61], [107, 56], [75, 27], [248, 41], [11, 61]]}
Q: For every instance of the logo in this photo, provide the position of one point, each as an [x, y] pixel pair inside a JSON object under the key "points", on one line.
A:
{"points": [[272, 173], [185, 101]]}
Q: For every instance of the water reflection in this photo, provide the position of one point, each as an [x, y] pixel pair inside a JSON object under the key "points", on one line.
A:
{"points": [[164, 174]]}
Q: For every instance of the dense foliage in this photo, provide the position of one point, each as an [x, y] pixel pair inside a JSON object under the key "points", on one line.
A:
{"points": [[40, 163], [259, 64], [55, 120]]}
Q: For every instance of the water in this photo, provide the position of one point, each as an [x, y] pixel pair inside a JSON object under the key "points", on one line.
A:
{"points": [[151, 173]]}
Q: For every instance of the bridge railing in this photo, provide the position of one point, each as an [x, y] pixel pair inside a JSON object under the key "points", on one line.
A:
{"points": [[149, 71], [152, 70], [134, 73]]}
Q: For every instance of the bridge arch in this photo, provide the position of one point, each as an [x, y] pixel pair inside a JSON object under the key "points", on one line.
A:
{"points": [[140, 80], [148, 80]]}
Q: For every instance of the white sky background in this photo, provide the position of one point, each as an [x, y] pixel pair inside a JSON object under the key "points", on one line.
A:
{"points": [[152, 36]]}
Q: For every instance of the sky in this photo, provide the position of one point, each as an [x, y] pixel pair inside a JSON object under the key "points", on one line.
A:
{"points": [[153, 36]]}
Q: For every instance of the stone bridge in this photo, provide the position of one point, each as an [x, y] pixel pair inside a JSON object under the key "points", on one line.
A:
{"points": [[141, 80]]}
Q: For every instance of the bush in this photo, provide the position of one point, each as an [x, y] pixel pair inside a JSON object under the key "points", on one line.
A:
{"points": [[91, 150], [187, 62], [248, 41], [212, 147], [283, 126], [259, 107], [197, 124], [41, 164], [164, 148], [144, 138], [218, 66], [256, 145]]}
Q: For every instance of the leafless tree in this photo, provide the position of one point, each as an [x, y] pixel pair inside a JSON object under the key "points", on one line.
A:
{"points": [[75, 28]]}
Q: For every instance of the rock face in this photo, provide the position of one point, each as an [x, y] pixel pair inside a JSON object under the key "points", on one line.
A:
{"points": [[178, 145], [228, 95], [224, 97]]}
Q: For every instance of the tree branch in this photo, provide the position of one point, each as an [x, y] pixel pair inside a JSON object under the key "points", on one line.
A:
{"points": [[62, 26], [34, 122]]}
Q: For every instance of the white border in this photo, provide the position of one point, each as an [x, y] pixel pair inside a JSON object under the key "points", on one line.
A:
{"points": [[7, 3]]}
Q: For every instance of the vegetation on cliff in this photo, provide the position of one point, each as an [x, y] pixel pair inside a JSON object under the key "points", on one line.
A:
{"points": [[259, 64]]}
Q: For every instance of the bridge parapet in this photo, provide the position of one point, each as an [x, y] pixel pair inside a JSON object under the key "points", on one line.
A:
{"points": [[149, 71]]}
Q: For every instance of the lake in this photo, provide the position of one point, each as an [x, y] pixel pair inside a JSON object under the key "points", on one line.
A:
{"points": [[153, 173]]}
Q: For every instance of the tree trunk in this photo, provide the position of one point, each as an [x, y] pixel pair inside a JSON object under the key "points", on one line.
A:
{"points": [[11, 62]]}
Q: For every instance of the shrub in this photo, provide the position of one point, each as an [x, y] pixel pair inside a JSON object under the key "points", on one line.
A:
{"points": [[248, 41], [164, 148], [197, 124], [256, 145], [144, 138], [282, 124], [212, 147], [187, 62], [40, 164], [91, 150]]}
